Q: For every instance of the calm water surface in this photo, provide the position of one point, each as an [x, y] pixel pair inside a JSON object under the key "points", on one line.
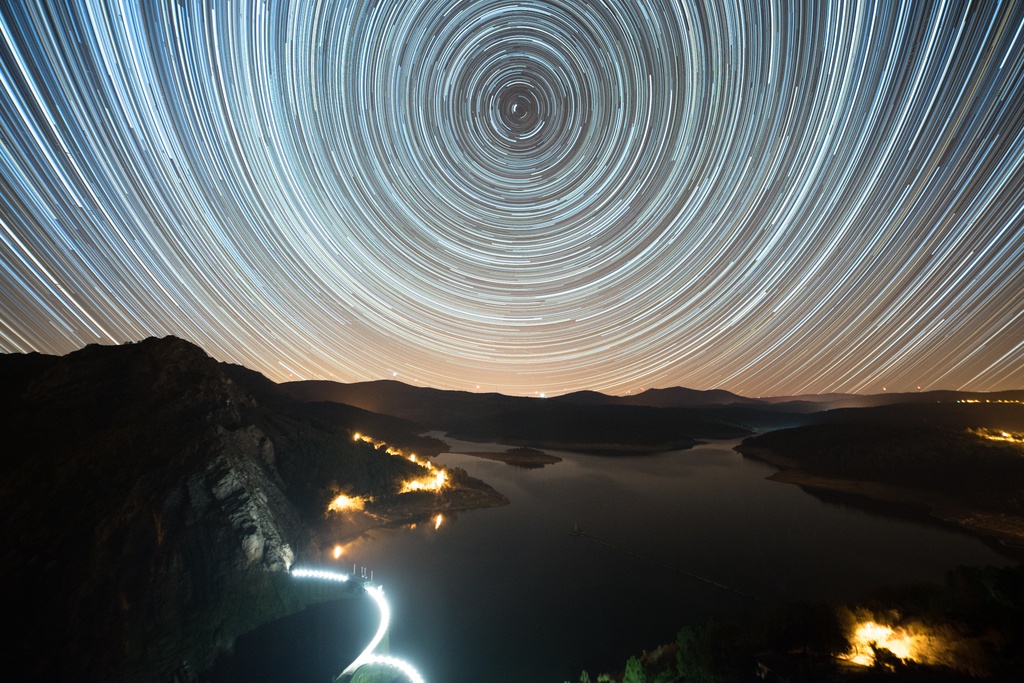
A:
{"points": [[507, 595]]}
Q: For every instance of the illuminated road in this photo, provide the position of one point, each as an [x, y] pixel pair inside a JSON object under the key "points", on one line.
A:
{"points": [[367, 656]]}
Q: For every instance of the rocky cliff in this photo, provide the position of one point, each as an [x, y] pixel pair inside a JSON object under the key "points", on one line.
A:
{"points": [[151, 501]]}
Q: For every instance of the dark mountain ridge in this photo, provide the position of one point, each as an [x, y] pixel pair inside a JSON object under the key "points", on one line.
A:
{"points": [[672, 397], [835, 401], [591, 421], [593, 426]]}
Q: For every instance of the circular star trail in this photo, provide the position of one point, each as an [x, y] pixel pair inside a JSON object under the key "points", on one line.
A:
{"points": [[769, 197]]}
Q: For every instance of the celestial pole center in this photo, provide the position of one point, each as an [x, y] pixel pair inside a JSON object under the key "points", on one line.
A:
{"points": [[538, 196]]}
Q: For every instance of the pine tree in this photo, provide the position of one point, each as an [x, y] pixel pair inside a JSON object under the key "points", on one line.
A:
{"points": [[634, 672]]}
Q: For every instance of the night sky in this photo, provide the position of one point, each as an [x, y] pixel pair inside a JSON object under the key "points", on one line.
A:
{"points": [[533, 196]]}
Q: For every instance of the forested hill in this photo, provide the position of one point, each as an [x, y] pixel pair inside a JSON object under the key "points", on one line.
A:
{"points": [[962, 463]]}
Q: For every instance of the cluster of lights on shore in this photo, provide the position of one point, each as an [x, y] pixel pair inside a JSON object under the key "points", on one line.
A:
{"points": [[909, 642], [436, 478], [999, 435], [991, 400]]}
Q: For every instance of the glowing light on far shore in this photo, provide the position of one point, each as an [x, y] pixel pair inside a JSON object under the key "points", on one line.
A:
{"points": [[999, 435], [991, 400], [338, 550], [435, 481], [342, 503], [905, 642]]}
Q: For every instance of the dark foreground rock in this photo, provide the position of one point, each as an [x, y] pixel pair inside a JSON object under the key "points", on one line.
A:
{"points": [[152, 500]]}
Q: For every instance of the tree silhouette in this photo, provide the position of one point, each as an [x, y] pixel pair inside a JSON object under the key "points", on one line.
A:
{"points": [[634, 672]]}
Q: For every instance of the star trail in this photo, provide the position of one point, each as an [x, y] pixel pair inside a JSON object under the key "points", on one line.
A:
{"points": [[532, 196]]}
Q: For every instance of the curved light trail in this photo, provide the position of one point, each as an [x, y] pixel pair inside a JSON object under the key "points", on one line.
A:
{"points": [[367, 656], [377, 593], [394, 663], [763, 195]]}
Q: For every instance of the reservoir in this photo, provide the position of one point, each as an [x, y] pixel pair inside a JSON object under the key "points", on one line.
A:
{"points": [[506, 595]]}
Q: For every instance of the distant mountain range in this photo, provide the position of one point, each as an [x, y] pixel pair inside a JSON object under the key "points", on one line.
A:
{"points": [[655, 419], [386, 392], [674, 397], [588, 422]]}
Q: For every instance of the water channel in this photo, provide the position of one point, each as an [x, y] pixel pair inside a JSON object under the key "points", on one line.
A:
{"points": [[507, 595]]}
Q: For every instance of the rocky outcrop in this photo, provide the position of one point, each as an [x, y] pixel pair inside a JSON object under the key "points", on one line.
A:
{"points": [[241, 487], [224, 537], [151, 502]]}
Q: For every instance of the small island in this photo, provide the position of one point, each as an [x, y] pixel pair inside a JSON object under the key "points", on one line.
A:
{"points": [[522, 456]]}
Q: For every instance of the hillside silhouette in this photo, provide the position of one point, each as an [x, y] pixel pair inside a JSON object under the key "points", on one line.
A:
{"points": [[593, 426]]}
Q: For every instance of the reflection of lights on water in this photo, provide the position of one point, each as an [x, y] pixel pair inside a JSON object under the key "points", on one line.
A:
{"points": [[904, 642], [438, 520]]}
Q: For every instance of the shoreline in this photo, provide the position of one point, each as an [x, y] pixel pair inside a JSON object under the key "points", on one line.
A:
{"points": [[1004, 532], [409, 508]]}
